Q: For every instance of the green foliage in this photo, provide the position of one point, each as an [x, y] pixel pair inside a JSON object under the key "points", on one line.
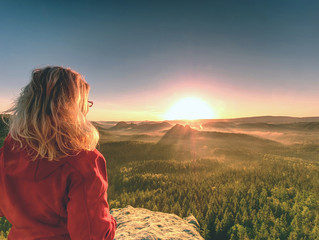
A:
{"points": [[264, 196], [3, 236], [4, 228], [3, 128]]}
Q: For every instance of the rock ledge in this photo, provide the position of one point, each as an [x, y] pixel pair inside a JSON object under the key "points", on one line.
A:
{"points": [[140, 223]]}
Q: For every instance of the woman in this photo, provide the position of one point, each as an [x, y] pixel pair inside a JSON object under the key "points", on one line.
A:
{"points": [[53, 182]]}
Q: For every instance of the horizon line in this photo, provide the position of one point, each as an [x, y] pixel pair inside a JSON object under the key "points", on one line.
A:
{"points": [[190, 120]]}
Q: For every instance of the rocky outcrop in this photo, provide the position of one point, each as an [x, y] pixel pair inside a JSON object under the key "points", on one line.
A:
{"points": [[140, 223], [122, 126], [176, 134]]}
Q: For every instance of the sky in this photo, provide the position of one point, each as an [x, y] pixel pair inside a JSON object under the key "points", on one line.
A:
{"points": [[242, 58]]}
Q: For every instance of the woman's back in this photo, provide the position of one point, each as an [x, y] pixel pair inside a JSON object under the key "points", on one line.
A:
{"points": [[63, 198]]}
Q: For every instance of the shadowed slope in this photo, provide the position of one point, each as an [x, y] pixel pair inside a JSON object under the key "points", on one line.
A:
{"points": [[184, 142]]}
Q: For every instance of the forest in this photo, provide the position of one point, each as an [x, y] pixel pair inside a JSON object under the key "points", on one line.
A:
{"points": [[238, 184]]}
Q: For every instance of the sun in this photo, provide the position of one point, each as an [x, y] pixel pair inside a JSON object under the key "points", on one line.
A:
{"points": [[190, 108]]}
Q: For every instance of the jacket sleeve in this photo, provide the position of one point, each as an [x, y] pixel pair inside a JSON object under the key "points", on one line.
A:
{"points": [[1, 157], [87, 208]]}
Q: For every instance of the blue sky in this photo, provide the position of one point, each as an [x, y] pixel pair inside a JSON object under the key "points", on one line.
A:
{"points": [[244, 58]]}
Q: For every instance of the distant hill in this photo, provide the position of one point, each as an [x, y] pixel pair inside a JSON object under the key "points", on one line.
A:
{"points": [[183, 141], [219, 125], [152, 126], [180, 132], [122, 126], [275, 119], [99, 126], [177, 133], [294, 126], [262, 119], [301, 126], [142, 127]]}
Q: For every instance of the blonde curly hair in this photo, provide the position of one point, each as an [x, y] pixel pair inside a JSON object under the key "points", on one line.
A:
{"points": [[49, 117]]}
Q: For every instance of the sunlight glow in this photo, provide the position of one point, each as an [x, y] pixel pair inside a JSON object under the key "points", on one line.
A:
{"points": [[189, 109]]}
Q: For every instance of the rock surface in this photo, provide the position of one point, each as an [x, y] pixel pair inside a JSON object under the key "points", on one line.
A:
{"points": [[140, 223]]}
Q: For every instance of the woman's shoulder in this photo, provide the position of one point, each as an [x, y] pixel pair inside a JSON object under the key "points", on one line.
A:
{"points": [[86, 161], [84, 154]]}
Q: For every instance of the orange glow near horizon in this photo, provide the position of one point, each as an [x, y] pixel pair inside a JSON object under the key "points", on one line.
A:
{"points": [[189, 108]]}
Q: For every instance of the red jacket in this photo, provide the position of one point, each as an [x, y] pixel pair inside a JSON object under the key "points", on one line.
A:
{"points": [[65, 199]]}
